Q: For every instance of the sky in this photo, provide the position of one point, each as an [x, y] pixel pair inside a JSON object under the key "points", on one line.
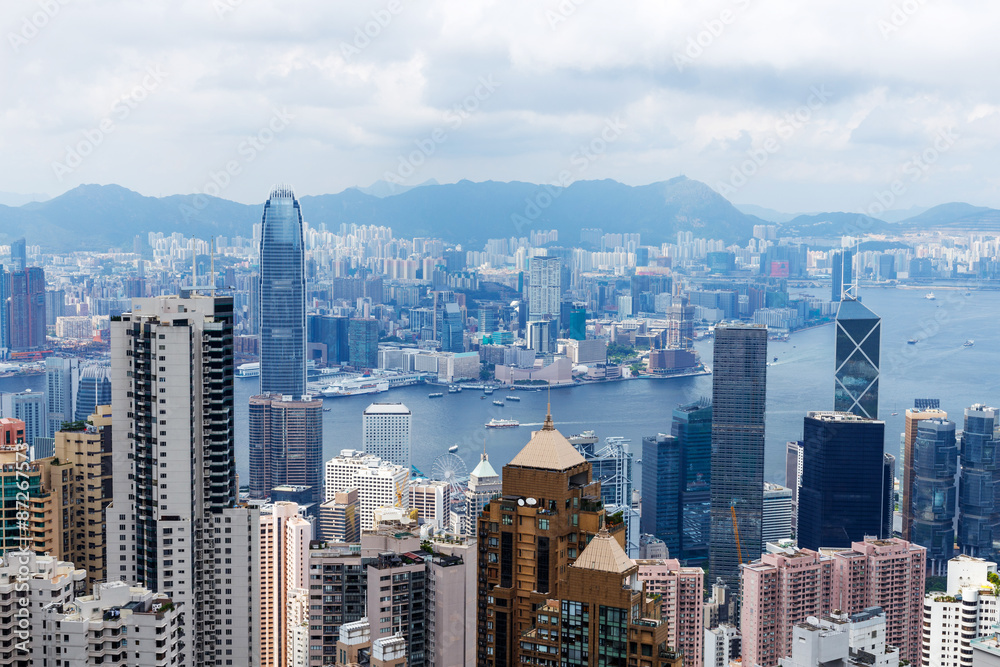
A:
{"points": [[825, 105]]}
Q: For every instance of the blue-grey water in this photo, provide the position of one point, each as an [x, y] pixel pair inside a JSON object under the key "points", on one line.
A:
{"points": [[938, 366]]}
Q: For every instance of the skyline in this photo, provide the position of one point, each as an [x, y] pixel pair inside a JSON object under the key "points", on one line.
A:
{"points": [[446, 92]]}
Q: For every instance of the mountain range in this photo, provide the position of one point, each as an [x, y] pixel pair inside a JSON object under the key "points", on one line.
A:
{"points": [[98, 217]]}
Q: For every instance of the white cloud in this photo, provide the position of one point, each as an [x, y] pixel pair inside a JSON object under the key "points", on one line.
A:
{"points": [[563, 67]]}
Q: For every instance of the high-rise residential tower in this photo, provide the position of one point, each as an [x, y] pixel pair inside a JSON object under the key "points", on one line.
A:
{"points": [[174, 525], [843, 496], [934, 498], [544, 288], [282, 296], [979, 492], [26, 312], [739, 394], [286, 444], [859, 332]]}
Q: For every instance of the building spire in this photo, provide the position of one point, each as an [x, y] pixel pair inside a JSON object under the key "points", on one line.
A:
{"points": [[548, 425]]}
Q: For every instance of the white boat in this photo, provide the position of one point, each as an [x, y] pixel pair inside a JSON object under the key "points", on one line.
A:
{"points": [[453, 449], [488, 390], [513, 398], [356, 387], [436, 394], [930, 296], [251, 370], [454, 390], [502, 423], [969, 343], [500, 403]]}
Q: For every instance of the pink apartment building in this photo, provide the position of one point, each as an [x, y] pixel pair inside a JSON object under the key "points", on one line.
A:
{"points": [[782, 589], [683, 591]]}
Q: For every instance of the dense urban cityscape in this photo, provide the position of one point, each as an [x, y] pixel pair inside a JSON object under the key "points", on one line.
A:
{"points": [[124, 507], [540, 333]]}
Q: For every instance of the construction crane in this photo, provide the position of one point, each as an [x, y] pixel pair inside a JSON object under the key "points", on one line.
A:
{"points": [[736, 530]]}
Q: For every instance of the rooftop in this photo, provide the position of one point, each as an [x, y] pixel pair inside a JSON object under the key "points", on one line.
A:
{"points": [[387, 409], [605, 554], [548, 449]]}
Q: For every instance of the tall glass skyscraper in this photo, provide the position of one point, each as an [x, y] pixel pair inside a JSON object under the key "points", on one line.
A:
{"points": [[739, 386], [94, 389], [844, 490], [661, 464], [859, 332], [935, 462], [979, 493], [692, 426], [282, 296]]}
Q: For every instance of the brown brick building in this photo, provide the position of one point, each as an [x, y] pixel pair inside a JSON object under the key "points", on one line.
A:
{"points": [[555, 585]]}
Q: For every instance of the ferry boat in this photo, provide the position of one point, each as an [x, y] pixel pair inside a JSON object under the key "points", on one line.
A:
{"points": [[930, 296], [251, 370], [453, 449], [513, 398], [355, 387], [912, 341], [502, 423], [454, 390], [436, 394], [488, 390], [969, 343], [500, 403]]}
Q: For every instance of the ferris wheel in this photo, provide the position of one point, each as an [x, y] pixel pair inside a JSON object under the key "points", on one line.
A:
{"points": [[451, 468]]}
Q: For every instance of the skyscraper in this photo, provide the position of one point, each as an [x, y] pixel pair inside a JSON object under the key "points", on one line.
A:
{"points": [[843, 495], [935, 463], [661, 489], [26, 312], [544, 288], [979, 492], [286, 444], [842, 270], [739, 394], [386, 432], [19, 254], [362, 337], [692, 426], [859, 333], [60, 389], [30, 407], [913, 418], [174, 512], [282, 296], [93, 389]]}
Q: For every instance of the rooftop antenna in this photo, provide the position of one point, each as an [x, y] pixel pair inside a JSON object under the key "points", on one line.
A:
{"points": [[194, 266], [212, 270]]}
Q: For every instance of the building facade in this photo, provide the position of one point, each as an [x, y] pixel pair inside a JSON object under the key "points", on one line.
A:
{"points": [[282, 296], [858, 345], [979, 491], [912, 421], [286, 443], [934, 497], [387, 432], [739, 391], [681, 591]]}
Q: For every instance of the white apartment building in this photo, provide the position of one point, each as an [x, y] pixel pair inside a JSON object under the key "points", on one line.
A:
{"points": [[128, 626], [379, 483], [544, 287], [967, 610], [722, 645], [839, 640], [174, 525], [431, 500], [386, 432]]}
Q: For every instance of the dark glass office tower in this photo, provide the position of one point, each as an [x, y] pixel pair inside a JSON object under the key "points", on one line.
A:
{"points": [[93, 389], [842, 271], [935, 462], [692, 426], [661, 466], [739, 385], [843, 496], [859, 333], [979, 494], [282, 297]]}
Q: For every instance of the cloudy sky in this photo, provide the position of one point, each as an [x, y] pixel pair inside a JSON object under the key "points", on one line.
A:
{"points": [[790, 105]]}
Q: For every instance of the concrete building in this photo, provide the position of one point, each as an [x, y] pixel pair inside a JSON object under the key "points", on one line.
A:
{"points": [[174, 525], [682, 594], [77, 481], [387, 432], [776, 524], [355, 646], [586, 351], [544, 288], [484, 484], [986, 650], [31, 408], [84, 632], [78, 327], [432, 501], [722, 645], [379, 483], [451, 593], [340, 518], [284, 553], [337, 587], [840, 640], [967, 610]]}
